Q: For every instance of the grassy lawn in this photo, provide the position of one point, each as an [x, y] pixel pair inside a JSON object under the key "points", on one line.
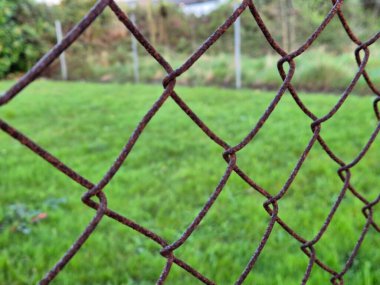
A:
{"points": [[168, 177]]}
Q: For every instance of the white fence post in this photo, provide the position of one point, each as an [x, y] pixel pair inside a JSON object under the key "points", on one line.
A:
{"points": [[237, 44], [62, 58], [135, 53]]}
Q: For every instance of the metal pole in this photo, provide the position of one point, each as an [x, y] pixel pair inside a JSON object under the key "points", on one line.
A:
{"points": [[237, 39], [135, 54], [62, 58]]}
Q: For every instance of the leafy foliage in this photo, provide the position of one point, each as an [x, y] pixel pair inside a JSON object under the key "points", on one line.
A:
{"points": [[103, 52], [20, 217], [24, 27]]}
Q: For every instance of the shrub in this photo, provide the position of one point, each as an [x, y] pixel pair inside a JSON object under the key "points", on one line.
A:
{"points": [[24, 34]]}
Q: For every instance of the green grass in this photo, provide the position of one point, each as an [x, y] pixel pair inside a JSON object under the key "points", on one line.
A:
{"points": [[167, 178], [334, 72]]}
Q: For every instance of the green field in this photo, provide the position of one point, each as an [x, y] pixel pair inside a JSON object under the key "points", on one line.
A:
{"points": [[168, 177]]}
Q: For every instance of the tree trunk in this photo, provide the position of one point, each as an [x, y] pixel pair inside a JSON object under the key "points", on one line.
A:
{"points": [[291, 25], [151, 22], [284, 25], [163, 36]]}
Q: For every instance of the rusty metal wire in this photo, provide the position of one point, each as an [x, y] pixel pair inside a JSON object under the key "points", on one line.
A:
{"points": [[99, 204]]}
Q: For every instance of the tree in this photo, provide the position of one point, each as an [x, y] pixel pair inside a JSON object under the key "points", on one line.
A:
{"points": [[372, 5], [23, 34], [70, 12]]}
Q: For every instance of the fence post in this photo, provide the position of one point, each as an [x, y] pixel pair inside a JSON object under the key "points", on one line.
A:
{"points": [[135, 53], [237, 44], [62, 58]]}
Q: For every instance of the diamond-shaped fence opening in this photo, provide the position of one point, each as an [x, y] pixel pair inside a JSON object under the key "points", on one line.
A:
{"points": [[96, 197]]}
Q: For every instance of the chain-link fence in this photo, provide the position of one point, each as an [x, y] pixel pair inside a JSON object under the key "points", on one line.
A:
{"points": [[95, 197]]}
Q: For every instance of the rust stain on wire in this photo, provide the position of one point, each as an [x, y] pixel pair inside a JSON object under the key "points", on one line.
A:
{"points": [[95, 197]]}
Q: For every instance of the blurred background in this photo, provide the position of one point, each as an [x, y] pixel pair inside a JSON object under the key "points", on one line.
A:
{"points": [[107, 53]]}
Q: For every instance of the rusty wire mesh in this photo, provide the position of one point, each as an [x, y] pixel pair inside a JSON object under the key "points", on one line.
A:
{"points": [[362, 54]]}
